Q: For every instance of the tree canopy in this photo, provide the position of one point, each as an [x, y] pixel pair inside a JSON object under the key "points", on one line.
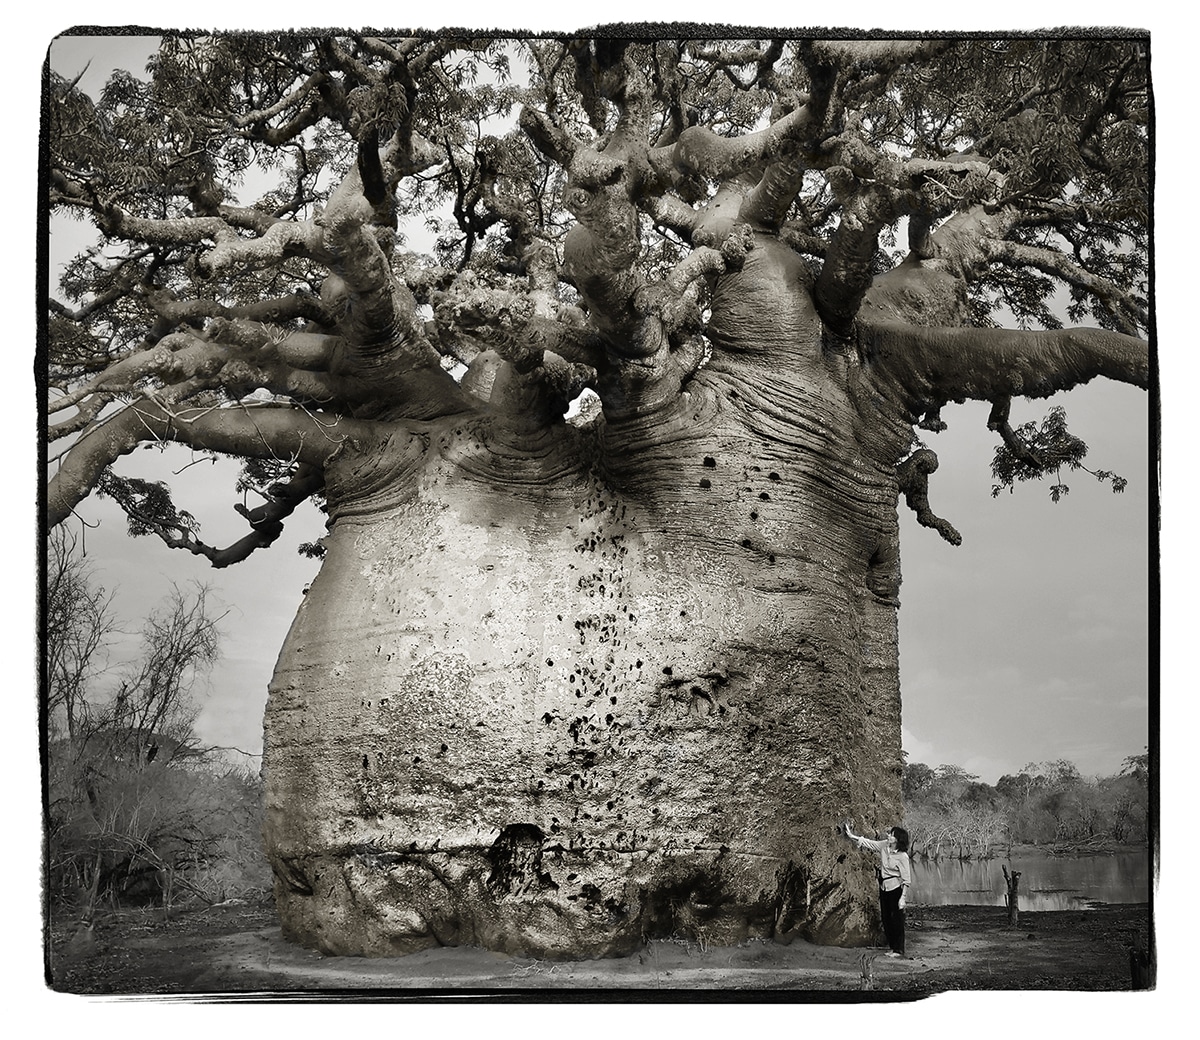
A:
{"points": [[310, 237]]}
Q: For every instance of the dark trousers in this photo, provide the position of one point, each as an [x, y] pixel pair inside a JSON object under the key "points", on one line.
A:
{"points": [[893, 918]]}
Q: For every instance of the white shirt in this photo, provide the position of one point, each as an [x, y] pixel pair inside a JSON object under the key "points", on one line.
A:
{"points": [[894, 867]]}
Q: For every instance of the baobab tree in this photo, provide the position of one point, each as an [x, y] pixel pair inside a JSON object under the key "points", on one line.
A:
{"points": [[604, 640]]}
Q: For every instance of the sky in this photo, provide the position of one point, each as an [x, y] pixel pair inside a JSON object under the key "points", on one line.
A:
{"points": [[1007, 641]]}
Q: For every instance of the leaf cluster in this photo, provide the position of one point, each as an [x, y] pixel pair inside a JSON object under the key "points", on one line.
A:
{"points": [[147, 504], [1045, 448]]}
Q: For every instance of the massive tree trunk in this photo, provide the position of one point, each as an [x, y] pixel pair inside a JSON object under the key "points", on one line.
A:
{"points": [[559, 694]]}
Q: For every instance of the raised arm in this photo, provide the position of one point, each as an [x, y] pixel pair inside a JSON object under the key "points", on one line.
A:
{"points": [[867, 844]]}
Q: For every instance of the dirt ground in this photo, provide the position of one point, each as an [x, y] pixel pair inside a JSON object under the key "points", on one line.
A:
{"points": [[231, 951]]}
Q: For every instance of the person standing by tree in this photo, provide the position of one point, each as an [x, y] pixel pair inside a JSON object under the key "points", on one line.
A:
{"points": [[895, 875]]}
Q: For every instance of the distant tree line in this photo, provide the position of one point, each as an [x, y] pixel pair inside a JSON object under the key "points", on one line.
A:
{"points": [[950, 813], [137, 811]]}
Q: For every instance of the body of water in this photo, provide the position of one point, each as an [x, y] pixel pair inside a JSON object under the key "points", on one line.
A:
{"points": [[1047, 882]]}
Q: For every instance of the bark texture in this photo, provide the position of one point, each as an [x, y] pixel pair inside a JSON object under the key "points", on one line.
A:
{"points": [[559, 697]]}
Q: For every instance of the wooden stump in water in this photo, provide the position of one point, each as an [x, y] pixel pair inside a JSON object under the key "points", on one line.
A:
{"points": [[866, 966], [1010, 897]]}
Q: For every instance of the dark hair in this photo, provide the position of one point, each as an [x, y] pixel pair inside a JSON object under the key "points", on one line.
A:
{"points": [[901, 836]]}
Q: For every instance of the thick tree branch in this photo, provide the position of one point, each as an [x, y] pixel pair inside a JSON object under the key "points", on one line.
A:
{"points": [[672, 213], [282, 239], [511, 325], [700, 151], [296, 97], [849, 270], [673, 300], [548, 137], [798, 236], [174, 359], [930, 367], [384, 343], [264, 432], [767, 206], [243, 355], [279, 309]]}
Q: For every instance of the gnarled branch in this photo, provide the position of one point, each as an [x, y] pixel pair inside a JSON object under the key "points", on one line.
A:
{"points": [[929, 367], [913, 477], [263, 431]]}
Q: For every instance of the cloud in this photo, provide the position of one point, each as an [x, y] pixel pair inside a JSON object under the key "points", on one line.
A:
{"points": [[918, 750]]}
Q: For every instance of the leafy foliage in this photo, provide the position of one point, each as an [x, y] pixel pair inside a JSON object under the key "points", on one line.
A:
{"points": [[147, 504], [1045, 448]]}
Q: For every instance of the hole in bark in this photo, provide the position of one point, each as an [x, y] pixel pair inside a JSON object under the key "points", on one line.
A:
{"points": [[705, 483], [753, 515], [516, 858], [772, 476], [745, 543], [366, 764], [764, 496], [710, 462]]}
